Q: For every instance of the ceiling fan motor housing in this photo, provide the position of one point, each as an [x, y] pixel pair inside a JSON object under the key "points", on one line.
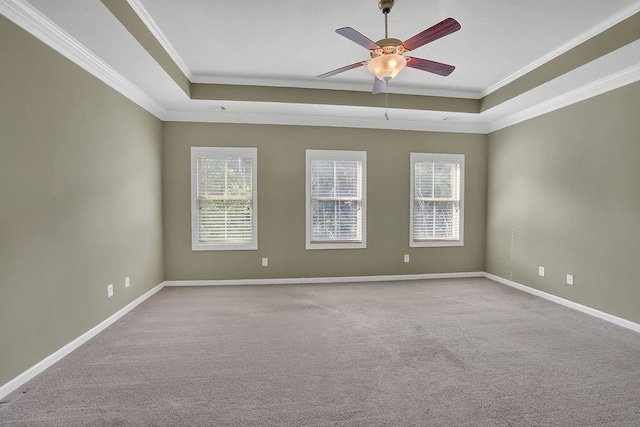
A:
{"points": [[388, 46]]}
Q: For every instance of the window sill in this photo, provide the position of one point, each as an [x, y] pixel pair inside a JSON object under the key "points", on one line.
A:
{"points": [[342, 245], [253, 246], [436, 244]]}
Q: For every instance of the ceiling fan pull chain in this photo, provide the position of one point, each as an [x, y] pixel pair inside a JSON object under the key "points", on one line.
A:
{"points": [[386, 105]]}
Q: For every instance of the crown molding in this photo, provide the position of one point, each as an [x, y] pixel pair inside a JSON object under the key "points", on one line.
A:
{"points": [[153, 27], [34, 22], [595, 88], [594, 31]]}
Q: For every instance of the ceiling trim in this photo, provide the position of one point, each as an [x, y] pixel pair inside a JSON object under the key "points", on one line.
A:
{"points": [[130, 20], [153, 27], [591, 32], [34, 22], [595, 88], [615, 38]]}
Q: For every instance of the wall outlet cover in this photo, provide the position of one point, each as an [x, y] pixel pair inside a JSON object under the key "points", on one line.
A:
{"points": [[110, 290], [570, 279], [541, 271], [265, 262], [406, 258], [127, 283]]}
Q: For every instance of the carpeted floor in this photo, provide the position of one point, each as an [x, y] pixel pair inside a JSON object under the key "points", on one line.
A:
{"points": [[465, 352]]}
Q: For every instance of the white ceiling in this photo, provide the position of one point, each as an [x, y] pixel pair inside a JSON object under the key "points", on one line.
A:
{"points": [[288, 43]]}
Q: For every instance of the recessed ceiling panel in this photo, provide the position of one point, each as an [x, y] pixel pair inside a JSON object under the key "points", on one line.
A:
{"points": [[281, 40]]}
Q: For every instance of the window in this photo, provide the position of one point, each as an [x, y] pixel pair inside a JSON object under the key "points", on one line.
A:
{"points": [[223, 202], [437, 187], [336, 199]]}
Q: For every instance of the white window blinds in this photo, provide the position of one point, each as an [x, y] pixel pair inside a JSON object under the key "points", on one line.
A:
{"points": [[437, 202], [224, 216], [335, 197]]}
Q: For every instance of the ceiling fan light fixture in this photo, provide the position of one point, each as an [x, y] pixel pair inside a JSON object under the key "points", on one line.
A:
{"points": [[386, 67]]}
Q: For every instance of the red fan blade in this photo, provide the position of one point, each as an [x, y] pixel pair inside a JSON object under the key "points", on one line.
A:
{"points": [[378, 86], [430, 66], [342, 69], [439, 30], [356, 37]]}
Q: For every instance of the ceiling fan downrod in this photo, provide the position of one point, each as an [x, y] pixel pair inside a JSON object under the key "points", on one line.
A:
{"points": [[385, 6]]}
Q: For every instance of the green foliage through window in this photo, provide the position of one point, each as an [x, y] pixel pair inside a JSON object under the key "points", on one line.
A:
{"points": [[225, 198]]}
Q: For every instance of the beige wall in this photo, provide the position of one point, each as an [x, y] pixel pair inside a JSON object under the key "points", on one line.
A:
{"points": [[281, 203], [80, 201], [564, 193]]}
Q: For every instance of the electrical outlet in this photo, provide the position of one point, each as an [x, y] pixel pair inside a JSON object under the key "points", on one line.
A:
{"points": [[570, 279], [265, 262], [127, 283], [406, 258], [110, 290], [541, 271]]}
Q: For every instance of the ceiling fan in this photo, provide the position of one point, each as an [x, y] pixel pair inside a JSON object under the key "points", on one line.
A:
{"points": [[386, 54]]}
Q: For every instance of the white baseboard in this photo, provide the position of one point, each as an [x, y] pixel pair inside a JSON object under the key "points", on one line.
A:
{"points": [[583, 308], [18, 381], [45, 363], [310, 280]]}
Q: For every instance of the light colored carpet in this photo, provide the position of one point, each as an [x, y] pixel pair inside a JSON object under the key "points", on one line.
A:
{"points": [[465, 352]]}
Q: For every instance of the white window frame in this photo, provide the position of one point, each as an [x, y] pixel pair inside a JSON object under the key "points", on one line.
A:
{"points": [[336, 155], [224, 152], [436, 158]]}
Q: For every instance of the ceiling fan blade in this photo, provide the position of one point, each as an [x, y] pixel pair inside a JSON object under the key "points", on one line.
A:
{"points": [[342, 69], [430, 66], [378, 86], [439, 30], [356, 37]]}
